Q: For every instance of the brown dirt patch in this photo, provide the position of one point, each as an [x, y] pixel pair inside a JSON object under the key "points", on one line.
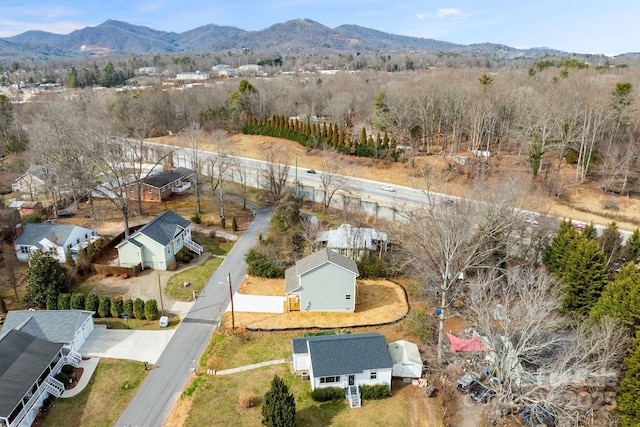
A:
{"points": [[378, 302]]}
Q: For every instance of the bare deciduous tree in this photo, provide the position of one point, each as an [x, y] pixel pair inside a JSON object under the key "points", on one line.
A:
{"points": [[331, 175], [276, 171], [538, 357]]}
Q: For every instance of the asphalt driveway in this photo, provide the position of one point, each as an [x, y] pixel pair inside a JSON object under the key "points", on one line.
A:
{"points": [[144, 346]]}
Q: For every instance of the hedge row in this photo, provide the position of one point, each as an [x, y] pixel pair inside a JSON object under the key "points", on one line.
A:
{"points": [[106, 306]]}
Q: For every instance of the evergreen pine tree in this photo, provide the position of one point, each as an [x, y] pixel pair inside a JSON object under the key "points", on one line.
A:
{"points": [[104, 307], [555, 255], [620, 298], [91, 303], [138, 308], [583, 278], [151, 309], [279, 408], [363, 137], [590, 232], [611, 245], [46, 278], [628, 395], [64, 301], [116, 307], [77, 301], [632, 247]]}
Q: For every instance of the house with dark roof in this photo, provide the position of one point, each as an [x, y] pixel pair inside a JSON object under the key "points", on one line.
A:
{"points": [[156, 243], [57, 239], [34, 346], [71, 328], [346, 361], [159, 186], [322, 281]]}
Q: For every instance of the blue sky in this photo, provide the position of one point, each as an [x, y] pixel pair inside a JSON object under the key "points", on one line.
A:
{"points": [[583, 26]]}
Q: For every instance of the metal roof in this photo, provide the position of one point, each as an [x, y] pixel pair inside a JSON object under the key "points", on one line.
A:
{"points": [[23, 358]]}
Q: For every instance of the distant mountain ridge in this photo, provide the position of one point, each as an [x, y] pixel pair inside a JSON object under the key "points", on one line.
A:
{"points": [[296, 36]]}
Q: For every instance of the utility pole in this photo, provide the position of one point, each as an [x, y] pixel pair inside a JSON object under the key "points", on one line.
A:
{"points": [[220, 180], [233, 321], [297, 192], [160, 290]]}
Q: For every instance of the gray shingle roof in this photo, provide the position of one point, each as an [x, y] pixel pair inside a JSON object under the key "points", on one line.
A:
{"points": [[162, 229], [161, 179], [33, 233], [57, 326], [347, 354], [315, 260], [23, 358], [184, 172]]}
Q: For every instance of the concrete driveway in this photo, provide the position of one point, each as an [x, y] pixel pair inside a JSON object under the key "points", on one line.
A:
{"points": [[144, 346], [257, 303]]}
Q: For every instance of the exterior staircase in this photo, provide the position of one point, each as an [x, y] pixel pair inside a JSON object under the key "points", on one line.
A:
{"points": [[53, 386], [73, 358], [193, 246], [352, 394]]}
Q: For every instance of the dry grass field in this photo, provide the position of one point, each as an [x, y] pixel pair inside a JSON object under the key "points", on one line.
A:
{"points": [[378, 302]]}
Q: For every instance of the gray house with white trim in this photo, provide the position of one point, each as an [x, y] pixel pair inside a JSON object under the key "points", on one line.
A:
{"points": [[34, 346], [322, 281], [56, 239], [71, 328], [346, 361]]}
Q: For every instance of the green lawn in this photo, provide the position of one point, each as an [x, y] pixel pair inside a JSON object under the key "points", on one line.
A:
{"points": [[103, 400], [215, 398]]}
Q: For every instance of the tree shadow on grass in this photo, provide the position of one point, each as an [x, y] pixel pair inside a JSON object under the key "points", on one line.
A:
{"points": [[321, 414]]}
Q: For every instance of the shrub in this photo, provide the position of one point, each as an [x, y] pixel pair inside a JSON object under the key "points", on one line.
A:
{"points": [[33, 218], [64, 302], [127, 307], [234, 224], [104, 307], [91, 303], [260, 265], [611, 205], [196, 218], [52, 303], [246, 400], [326, 394], [67, 369], [371, 267], [374, 392], [151, 309], [116, 307], [62, 377], [77, 301], [223, 222], [138, 308]]}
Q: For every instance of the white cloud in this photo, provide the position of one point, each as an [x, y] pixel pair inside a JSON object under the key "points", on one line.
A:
{"points": [[421, 15], [451, 12]]}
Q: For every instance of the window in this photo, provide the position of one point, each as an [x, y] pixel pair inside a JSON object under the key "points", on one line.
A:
{"points": [[348, 296], [150, 191], [373, 375], [327, 380]]}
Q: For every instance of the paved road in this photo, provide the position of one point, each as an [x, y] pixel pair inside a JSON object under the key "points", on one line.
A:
{"points": [[158, 394]]}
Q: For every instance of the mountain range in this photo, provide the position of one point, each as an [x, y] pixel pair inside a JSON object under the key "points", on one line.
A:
{"points": [[294, 36]]}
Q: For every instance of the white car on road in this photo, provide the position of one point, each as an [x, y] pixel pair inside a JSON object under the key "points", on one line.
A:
{"points": [[387, 188]]}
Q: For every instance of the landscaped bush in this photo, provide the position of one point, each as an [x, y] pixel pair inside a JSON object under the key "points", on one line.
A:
{"points": [[104, 308], [151, 309], [246, 400], [196, 218], [91, 303], [371, 267], [77, 301], [138, 308], [64, 302], [33, 218], [67, 369], [260, 265], [52, 303], [116, 307], [326, 394], [373, 392], [62, 377], [127, 307]]}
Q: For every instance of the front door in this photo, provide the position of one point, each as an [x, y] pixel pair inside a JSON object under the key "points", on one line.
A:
{"points": [[352, 380]]}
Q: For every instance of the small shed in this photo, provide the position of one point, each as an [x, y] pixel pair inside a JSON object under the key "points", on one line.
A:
{"points": [[406, 359]]}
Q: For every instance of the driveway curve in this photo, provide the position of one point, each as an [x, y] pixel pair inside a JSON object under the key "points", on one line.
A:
{"points": [[143, 346]]}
